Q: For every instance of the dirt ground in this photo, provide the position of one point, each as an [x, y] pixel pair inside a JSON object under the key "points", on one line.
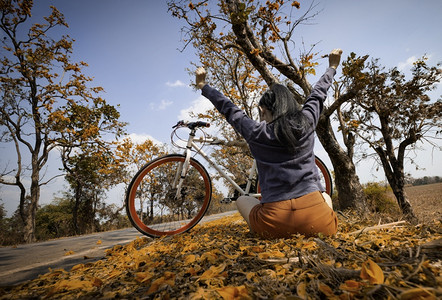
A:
{"points": [[426, 201]]}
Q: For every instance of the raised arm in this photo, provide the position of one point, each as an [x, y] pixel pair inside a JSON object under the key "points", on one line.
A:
{"points": [[233, 114], [314, 103]]}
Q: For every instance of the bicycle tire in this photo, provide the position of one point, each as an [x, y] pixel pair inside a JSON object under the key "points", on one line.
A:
{"points": [[325, 175], [165, 215]]}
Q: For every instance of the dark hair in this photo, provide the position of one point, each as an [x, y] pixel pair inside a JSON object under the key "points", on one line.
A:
{"points": [[289, 122]]}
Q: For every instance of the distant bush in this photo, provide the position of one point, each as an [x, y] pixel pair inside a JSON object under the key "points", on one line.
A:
{"points": [[11, 229], [54, 220], [378, 198], [427, 180]]}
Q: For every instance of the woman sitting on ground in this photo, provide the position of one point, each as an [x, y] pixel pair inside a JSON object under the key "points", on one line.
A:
{"points": [[282, 145]]}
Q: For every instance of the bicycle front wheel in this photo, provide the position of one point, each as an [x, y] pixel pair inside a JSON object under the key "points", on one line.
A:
{"points": [[152, 203], [324, 175]]}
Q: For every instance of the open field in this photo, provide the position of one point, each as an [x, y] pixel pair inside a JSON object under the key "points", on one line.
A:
{"points": [[426, 201]]}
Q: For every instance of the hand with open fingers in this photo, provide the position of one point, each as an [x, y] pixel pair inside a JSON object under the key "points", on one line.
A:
{"points": [[200, 77], [334, 58]]}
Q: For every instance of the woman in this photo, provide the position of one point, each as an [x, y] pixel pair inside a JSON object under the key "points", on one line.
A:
{"points": [[282, 145]]}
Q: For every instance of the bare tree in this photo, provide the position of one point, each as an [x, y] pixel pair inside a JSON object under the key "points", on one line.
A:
{"points": [[391, 114]]}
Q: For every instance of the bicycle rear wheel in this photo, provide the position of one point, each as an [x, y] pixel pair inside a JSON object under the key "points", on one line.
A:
{"points": [[152, 204], [325, 176]]}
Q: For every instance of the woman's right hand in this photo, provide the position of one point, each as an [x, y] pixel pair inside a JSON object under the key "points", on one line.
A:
{"points": [[200, 77], [334, 58]]}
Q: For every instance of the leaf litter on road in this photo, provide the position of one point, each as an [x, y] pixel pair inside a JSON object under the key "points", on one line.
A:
{"points": [[222, 260]]}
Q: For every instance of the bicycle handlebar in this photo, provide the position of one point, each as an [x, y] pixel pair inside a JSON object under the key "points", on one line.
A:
{"points": [[210, 141], [191, 125]]}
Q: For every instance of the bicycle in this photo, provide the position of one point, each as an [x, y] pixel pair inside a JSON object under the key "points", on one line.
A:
{"points": [[172, 193]]}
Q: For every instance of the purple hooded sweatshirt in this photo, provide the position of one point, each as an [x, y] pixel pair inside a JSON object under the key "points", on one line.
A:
{"points": [[283, 175]]}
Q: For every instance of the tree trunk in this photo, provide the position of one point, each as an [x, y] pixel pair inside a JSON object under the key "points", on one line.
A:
{"points": [[402, 200], [76, 208], [394, 166], [350, 192], [398, 187], [396, 178], [29, 228]]}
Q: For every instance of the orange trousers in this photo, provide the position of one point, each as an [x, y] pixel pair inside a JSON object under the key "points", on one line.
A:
{"points": [[307, 215]]}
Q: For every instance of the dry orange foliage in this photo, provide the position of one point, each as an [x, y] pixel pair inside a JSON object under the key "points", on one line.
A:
{"points": [[222, 260]]}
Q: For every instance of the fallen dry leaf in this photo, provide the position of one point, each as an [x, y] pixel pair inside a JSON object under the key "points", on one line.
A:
{"points": [[372, 272], [233, 292]]}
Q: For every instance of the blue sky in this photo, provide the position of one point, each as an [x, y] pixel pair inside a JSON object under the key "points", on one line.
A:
{"points": [[132, 50]]}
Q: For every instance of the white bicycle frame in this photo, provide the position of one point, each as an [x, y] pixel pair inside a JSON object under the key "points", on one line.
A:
{"points": [[182, 171]]}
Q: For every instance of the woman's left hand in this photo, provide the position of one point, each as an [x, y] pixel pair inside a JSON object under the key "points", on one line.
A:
{"points": [[334, 58], [200, 77]]}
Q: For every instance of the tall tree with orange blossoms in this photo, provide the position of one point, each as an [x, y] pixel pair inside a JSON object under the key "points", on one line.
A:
{"points": [[90, 171], [133, 156], [263, 34], [42, 94]]}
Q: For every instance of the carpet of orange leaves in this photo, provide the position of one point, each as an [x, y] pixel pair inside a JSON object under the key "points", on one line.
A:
{"points": [[222, 260]]}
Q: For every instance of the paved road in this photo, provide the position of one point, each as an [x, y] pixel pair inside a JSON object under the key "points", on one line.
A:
{"points": [[26, 262]]}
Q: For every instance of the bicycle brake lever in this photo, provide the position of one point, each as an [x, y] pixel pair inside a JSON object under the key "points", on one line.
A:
{"points": [[179, 124]]}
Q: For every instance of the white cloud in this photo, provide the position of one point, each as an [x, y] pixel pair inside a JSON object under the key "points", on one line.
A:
{"points": [[164, 104], [407, 64], [141, 138], [177, 83], [161, 106], [199, 105]]}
